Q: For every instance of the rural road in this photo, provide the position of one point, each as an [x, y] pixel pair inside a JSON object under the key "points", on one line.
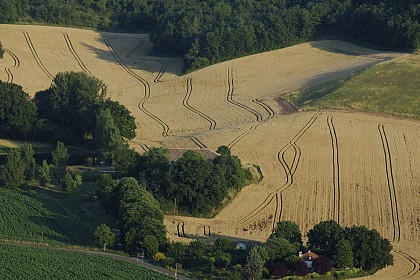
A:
{"points": [[107, 255]]}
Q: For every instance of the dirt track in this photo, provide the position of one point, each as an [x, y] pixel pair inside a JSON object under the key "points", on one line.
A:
{"points": [[351, 167]]}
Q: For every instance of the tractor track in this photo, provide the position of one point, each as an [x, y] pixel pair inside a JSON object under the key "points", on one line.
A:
{"points": [[143, 146], [192, 109], [9, 75], [416, 265], [164, 63], [271, 114], [289, 170], [229, 97], [75, 55], [391, 184], [196, 141], [16, 60], [335, 169], [146, 89], [35, 55]]}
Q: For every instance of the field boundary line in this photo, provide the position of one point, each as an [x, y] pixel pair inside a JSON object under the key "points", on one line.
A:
{"points": [[391, 184], [35, 55], [146, 89], [194, 110], [335, 169]]}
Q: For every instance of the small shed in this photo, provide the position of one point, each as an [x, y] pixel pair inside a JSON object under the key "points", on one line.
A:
{"points": [[308, 258]]}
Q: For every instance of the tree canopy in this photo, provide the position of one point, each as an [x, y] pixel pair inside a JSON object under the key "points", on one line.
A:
{"points": [[17, 111]]}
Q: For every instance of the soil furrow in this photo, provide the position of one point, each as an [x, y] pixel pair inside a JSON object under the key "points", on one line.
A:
{"points": [[197, 142], [146, 89], [35, 55], [16, 60], [189, 107]]}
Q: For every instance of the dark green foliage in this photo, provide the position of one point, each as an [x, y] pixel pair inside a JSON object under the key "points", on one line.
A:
{"points": [[343, 254], [28, 160], [325, 236], [224, 244], [254, 264], [154, 167], [60, 159], [278, 269], [104, 186], [279, 249], [12, 173], [44, 175], [151, 245], [322, 265], [107, 134], [289, 231], [370, 250], [223, 260], [230, 168], [70, 104], [138, 213], [125, 160], [122, 118], [195, 250], [223, 150], [17, 111]]}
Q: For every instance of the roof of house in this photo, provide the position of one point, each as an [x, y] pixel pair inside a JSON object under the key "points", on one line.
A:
{"points": [[176, 153], [309, 256]]}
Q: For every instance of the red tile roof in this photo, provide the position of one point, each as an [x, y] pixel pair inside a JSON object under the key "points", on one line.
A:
{"points": [[309, 256]]}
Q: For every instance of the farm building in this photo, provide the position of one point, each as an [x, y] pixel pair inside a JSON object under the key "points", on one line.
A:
{"points": [[308, 258]]}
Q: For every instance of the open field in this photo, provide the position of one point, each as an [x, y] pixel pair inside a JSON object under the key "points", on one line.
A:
{"points": [[391, 87], [355, 168]]}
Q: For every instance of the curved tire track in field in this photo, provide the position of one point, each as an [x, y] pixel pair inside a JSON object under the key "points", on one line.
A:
{"points": [[75, 55], [271, 114], [164, 63], [391, 184], [416, 265], [229, 97], [335, 169], [9, 75], [146, 89], [289, 170], [192, 109], [35, 55], [196, 141], [16, 60]]}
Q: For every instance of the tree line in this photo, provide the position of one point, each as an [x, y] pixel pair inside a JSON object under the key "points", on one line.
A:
{"points": [[206, 32]]}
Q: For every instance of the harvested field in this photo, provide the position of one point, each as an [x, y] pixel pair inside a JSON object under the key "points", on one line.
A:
{"points": [[355, 168]]}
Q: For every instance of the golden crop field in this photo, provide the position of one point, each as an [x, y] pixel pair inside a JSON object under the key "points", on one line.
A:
{"points": [[355, 168]]}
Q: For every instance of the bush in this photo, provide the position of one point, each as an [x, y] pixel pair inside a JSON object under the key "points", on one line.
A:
{"points": [[322, 265], [71, 182], [158, 257], [278, 269], [300, 268]]}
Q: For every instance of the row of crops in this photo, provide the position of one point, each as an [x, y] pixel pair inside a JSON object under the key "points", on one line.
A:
{"points": [[28, 217], [19, 262]]}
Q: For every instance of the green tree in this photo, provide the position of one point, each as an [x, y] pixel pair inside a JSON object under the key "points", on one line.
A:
{"points": [[280, 249], [325, 236], [104, 236], [223, 150], [107, 135], [195, 250], [370, 250], [343, 254], [254, 264], [71, 182], [60, 158], [17, 111], [151, 245], [28, 160], [224, 244], [44, 173], [71, 104], [125, 160], [104, 186], [289, 231], [13, 171], [123, 120]]}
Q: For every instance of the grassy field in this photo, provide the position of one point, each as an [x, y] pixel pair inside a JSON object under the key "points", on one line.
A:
{"points": [[392, 88], [38, 147], [43, 263]]}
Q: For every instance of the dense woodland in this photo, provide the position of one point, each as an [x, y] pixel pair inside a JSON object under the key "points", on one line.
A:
{"points": [[207, 32]]}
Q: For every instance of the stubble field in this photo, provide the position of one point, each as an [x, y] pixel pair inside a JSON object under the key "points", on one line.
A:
{"points": [[355, 168]]}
